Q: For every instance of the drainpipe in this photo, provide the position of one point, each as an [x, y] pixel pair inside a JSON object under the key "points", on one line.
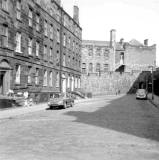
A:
{"points": [[61, 48]]}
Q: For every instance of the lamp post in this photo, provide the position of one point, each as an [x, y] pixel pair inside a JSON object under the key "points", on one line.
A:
{"points": [[152, 85], [152, 70]]}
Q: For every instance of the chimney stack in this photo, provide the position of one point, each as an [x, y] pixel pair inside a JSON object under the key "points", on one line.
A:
{"points": [[146, 42], [112, 37], [76, 13], [121, 40]]}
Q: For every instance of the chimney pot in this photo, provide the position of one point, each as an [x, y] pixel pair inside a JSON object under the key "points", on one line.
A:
{"points": [[146, 42], [112, 37]]}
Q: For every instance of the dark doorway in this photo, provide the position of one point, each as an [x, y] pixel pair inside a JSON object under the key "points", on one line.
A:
{"points": [[1, 82]]}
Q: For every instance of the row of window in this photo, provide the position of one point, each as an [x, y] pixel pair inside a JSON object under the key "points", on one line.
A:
{"points": [[98, 52], [5, 6], [30, 47], [97, 67], [30, 43], [47, 78], [48, 28]]}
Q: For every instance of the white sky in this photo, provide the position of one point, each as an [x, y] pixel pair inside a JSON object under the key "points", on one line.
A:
{"points": [[137, 19]]}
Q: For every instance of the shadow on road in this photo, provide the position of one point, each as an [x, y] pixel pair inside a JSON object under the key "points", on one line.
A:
{"points": [[125, 115]]}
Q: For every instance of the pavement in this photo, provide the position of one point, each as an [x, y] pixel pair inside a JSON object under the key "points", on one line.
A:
{"points": [[155, 101], [16, 111]]}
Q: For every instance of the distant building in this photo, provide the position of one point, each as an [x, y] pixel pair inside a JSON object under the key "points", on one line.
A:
{"points": [[96, 57], [105, 56], [111, 67], [40, 48]]}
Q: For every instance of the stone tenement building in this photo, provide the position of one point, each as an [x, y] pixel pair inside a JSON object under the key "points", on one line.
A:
{"points": [[39, 48], [104, 56], [109, 66]]}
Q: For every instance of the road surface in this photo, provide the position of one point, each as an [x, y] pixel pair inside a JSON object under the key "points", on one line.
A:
{"points": [[109, 128]]}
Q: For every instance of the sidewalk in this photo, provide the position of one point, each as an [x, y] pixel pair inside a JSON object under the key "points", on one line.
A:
{"points": [[155, 101], [12, 112]]}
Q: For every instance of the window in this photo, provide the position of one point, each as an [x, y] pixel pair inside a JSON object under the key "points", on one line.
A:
{"points": [[37, 76], [50, 51], [50, 79], [18, 42], [5, 35], [37, 48], [30, 17], [18, 9], [37, 22], [51, 31], [122, 58], [29, 74], [76, 46], [64, 40], [83, 67], [17, 74], [69, 42], [45, 50], [58, 36], [5, 5], [30, 46], [98, 67], [98, 51], [45, 28], [45, 78], [69, 59], [68, 81], [90, 67], [79, 83], [57, 79], [90, 51], [106, 67], [76, 83], [73, 46], [64, 60], [106, 53]]}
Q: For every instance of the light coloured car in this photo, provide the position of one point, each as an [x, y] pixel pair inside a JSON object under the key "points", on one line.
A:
{"points": [[141, 94]]}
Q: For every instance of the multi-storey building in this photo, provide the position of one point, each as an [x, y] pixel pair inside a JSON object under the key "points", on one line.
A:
{"points": [[40, 48], [105, 56], [96, 57]]}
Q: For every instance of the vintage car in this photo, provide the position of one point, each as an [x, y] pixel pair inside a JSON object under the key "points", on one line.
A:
{"points": [[60, 100], [141, 94]]}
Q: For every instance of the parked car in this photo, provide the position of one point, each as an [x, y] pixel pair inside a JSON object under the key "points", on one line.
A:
{"points": [[77, 95], [141, 94], [60, 100]]}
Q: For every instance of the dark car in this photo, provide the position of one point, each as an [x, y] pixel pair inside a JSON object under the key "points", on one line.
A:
{"points": [[60, 100]]}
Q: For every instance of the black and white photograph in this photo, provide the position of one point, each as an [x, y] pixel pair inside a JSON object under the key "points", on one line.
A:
{"points": [[79, 79]]}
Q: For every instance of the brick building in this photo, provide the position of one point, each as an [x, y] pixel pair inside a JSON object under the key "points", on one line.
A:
{"points": [[39, 48]]}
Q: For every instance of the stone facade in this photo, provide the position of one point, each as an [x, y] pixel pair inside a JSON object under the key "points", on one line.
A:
{"points": [[105, 63], [40, 48], [96, 57]]}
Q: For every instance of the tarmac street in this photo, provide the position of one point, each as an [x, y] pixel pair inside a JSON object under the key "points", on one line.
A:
{"points": [[107, 128]]}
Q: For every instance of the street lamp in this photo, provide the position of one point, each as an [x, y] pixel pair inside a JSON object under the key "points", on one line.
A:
{"points": [[152, 70]]}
